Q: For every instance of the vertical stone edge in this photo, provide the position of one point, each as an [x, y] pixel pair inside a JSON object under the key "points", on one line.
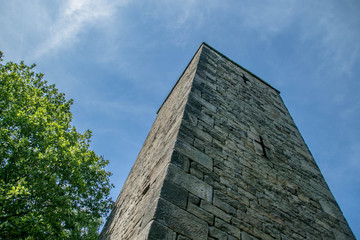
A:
{"points": [[139, 199], [175, 209]]}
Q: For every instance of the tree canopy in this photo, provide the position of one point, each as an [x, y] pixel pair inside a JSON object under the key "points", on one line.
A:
{"points": [[52, 185]]}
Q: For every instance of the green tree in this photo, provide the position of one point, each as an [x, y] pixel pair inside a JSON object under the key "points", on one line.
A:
{"points": [[52, 186]]}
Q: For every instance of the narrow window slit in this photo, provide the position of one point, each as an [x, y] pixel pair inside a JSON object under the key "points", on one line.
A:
{"points": [[146, 189], [245, 79], [261, 142]]}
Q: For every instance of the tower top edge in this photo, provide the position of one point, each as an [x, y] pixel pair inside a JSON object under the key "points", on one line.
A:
{"points": [[238, 65], [224, 56]]}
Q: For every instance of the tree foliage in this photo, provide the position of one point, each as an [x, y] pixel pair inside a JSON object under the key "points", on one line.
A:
{"points": [[52, 186]]}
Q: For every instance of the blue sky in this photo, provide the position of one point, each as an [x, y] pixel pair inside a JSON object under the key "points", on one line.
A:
{"points": [[118, 59]]}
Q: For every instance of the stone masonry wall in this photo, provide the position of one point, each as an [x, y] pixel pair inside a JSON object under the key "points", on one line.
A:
{"points": [[133, 211], [224, 160], [243, 165]]}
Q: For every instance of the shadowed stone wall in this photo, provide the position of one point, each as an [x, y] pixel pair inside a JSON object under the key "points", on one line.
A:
{"points": [[134, 209], [224, 160]]}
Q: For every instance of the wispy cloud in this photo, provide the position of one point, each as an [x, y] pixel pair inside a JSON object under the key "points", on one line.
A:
{"points": [[336, 35], [75, 17], [323, 27]]}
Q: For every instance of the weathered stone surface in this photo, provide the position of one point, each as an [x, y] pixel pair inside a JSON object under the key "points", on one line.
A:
{"points": [[216, 211], [155, 231], [194, 154], [217, 233], [200, 213], [202, 101], [224, 160], [225, 202], [246, 236], [181, 237], [181, 221], [174, 194], [180, 161], [228, 228], [189, 182]]}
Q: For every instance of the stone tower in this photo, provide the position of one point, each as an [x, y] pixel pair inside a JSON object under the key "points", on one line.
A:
{"points": [[224, 160]]}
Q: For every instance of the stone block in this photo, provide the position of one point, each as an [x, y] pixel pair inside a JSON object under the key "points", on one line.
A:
{"points": [[196, 173], [246, 236], [187, 181], [200, 213], [221, 136], [203, 102], [180, 220], [158, 231], [174, 194], [220, 196], [197, 132], [241, 224], [228, 228], [180, 161], [217, 233], [224, 206], [194, 154], [189, 109], [181, 237], [194, 199], [216, 211]]}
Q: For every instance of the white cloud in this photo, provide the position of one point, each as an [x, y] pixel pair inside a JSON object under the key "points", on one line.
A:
{"points": [[74, 17], [321, 26]]}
